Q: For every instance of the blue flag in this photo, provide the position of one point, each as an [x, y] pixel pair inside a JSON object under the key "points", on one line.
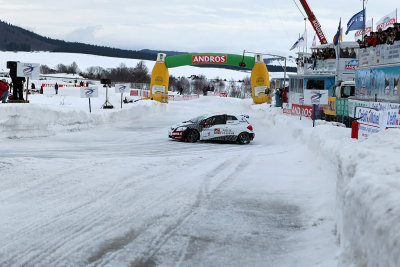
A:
{"points": [[356, 22], [339, 32]]}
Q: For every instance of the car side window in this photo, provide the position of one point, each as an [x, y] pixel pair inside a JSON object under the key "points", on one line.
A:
{"points": [[220, 119], [231, 118], [210, 121]]}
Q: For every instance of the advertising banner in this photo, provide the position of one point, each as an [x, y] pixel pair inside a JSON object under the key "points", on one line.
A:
{"points": [[370, 121], [387, 21], [342, 107], [122, 88], [157, 88], [330, 109], [315, 97], [89, 92], [373, 121], [352, 104], [28, 70], [220, 94], [368, 28], [392, 53], [209, 59], [304, 111]]}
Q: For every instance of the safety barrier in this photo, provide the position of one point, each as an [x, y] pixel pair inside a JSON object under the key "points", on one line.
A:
{"points": [[51, 85], [182, 97], [220, 94], [139, 92]]}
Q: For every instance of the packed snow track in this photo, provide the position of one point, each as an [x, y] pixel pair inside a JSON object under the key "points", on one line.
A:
{"points": [[121, 193]]}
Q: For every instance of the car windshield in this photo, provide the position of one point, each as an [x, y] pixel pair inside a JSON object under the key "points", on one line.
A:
{"points": [[195, 120]]}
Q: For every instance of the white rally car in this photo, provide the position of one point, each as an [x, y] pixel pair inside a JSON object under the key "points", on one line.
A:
{"points": [[214, 128]]}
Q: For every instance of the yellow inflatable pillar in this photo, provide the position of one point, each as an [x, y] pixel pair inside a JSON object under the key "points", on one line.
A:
{"points": [[159, 80], [260, 81]]}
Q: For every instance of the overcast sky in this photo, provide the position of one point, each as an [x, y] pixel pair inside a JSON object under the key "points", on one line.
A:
{"points": [[268, 26]]}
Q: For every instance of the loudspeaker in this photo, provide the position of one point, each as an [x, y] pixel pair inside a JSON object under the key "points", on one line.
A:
{"points": [[105, 81], [12, 65]]}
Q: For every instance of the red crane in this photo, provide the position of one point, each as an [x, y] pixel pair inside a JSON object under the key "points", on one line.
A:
{"points": [[314, 22]]}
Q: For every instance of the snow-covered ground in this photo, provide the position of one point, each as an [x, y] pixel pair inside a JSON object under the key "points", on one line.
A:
{"points": [[109, 188], [85, 61]]}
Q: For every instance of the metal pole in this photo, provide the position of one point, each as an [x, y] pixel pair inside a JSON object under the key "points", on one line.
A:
{"points": [[27, 89], [90, 106], [121, 99], [305, 30], [313, 125], [364, 20], [284, 75]]}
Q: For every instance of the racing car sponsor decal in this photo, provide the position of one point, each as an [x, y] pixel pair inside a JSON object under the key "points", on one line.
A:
{"points": [[217, 131], [227, 132]]}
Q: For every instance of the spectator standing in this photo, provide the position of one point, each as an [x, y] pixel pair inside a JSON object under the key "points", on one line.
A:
{"points": [[56, 88], [284, 96], [352, 53], [4, 90], [277, 97], [41, 90]]}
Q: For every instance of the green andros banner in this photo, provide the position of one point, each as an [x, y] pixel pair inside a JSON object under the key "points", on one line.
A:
{"points": [[201, 59]]}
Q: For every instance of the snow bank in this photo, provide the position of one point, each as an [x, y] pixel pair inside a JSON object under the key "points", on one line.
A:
{"points": [[368, 185], [24, 120]]}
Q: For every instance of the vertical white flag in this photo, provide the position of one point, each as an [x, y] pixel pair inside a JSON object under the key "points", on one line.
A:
{"points": [[387, 21]]}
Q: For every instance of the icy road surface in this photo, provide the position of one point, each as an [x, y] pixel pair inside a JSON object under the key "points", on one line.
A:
{"points": [[123, 194]]}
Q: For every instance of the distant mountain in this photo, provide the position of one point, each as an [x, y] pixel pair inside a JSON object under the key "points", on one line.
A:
{"points": [[14, 38], [168, 53]]}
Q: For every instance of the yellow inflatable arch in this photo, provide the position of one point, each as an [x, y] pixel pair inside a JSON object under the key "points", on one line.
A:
{"points": [[259, 75]]}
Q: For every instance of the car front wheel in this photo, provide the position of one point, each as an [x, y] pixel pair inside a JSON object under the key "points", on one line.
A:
{"points": [[244, 138], [192, 136]]}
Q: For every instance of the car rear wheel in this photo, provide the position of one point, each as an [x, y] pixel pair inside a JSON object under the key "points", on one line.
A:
{"points": [[192, 136], [244, 138]]}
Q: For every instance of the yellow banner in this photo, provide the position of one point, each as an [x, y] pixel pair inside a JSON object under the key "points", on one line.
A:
{"points": [[330, 109]]}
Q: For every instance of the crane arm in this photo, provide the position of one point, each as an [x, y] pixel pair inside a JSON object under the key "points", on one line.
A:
{"points": [[314, 22]]}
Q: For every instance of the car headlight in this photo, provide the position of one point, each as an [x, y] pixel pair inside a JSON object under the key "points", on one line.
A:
{"points": [[181, 129]]}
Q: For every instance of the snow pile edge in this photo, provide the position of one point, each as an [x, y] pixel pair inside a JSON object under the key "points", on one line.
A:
{"points": [[368, 186]]}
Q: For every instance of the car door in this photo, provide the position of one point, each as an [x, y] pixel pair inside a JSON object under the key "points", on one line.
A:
{"points": [[233, 126], [214, 127]]}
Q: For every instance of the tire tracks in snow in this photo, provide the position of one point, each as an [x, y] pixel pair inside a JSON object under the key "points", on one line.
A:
{"points": [[49, 249], [203, 198]]}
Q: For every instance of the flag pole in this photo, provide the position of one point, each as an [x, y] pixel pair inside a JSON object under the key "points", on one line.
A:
{"points": [[364, 20], [305, 30]]}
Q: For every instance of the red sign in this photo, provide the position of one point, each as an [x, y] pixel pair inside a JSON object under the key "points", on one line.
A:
{"points": [[134, 93], [209, 59], [307, 111]]}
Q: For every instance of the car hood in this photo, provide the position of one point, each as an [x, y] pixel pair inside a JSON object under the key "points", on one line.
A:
{"points": [[181, 124]]}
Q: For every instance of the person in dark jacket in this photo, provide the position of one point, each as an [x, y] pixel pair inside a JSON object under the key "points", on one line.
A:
{"points": [[278, 97], [56, 88], [4, 90]]}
